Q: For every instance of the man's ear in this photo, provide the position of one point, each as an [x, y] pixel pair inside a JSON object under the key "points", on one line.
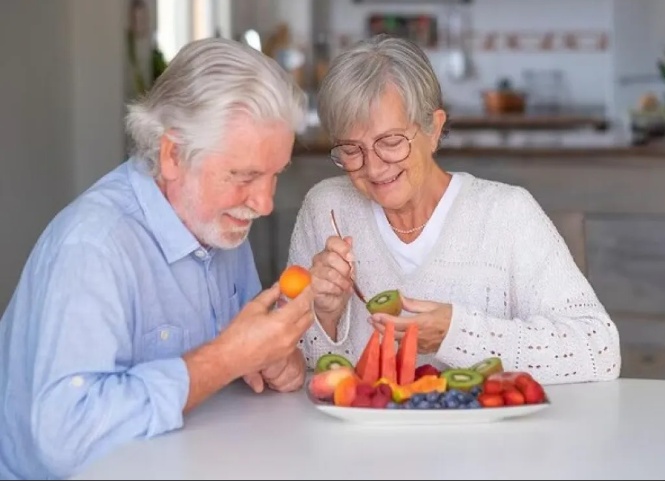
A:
{"points": [[169, 161], [438, 121]]}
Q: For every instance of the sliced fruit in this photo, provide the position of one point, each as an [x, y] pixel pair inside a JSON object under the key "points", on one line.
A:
{"points": [[407, 355], [387, 302], [462, 379], [489, 366], [388, 356], [345, 391], [369, 364], [322, 385], [331, 361], [425, 384]]}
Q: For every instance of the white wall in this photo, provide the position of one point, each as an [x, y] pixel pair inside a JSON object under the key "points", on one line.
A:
{"points": [[639, 30], [585, 72], [98, 52], [60, 114]]}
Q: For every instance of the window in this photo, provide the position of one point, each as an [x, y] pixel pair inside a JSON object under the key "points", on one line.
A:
{"points": [[181, 21]]}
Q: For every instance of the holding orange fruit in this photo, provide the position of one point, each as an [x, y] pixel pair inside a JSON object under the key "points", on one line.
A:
{"points": [[293, 280]]}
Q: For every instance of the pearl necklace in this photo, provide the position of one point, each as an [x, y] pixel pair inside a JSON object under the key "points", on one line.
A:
{"points": [[408, 231]]}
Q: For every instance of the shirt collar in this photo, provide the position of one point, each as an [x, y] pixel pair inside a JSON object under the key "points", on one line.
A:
{"points": [[173, 237]]}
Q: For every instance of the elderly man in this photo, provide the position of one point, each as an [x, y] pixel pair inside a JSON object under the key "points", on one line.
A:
{"points": [[141, 298]]}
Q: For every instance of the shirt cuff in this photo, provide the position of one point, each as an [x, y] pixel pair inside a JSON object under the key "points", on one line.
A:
{"points": [[167, 382]]}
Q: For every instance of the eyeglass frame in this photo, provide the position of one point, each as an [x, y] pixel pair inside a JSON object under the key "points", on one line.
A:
{"points": [[364, 152]]}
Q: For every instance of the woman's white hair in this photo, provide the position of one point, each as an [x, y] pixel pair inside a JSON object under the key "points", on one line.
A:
{"points": [[359, 75], [207, 83]]}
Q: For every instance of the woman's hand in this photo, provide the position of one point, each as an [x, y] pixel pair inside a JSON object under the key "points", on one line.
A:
{"points": [[332, 281], [433, 321]]}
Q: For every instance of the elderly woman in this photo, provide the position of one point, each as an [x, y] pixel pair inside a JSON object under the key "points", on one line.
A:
{"points": [[479, 265]]}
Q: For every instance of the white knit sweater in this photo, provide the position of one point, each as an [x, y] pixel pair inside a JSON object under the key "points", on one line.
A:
{"points": [[515, 290]]}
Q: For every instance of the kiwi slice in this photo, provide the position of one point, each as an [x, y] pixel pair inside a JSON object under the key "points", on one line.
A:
{"points": [[462, 379], [387, 302], [488, 366], [331, 361]]}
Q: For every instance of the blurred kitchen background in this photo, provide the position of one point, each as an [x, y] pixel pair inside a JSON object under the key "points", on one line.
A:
{"points": [[563, 97]]}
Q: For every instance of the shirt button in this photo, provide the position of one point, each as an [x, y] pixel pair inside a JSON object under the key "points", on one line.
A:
{"points": [[200, 253], [164, 334], [77, 381]]}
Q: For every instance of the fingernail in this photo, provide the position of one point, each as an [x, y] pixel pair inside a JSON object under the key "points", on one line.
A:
{"points": [[350, 257]]}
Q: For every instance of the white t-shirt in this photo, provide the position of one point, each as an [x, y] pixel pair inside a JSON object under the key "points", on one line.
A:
{"points": [[410, 256]]}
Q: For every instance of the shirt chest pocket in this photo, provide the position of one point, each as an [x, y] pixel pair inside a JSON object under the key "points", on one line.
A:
{"points": [[164, 341], [230, 308]]}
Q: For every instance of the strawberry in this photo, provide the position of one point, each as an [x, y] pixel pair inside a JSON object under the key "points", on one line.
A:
{"points": [[533, 393], [510, 378], [513, 397], [522, 380], [365, 389], [490, 400], [362, 401], [426, 370], [492, 386]]}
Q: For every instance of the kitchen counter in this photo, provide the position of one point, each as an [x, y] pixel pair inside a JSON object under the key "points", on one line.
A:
{"points": [[534, 145]]}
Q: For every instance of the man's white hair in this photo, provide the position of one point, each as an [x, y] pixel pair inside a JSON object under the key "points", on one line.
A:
{"points": [[206, 84]]}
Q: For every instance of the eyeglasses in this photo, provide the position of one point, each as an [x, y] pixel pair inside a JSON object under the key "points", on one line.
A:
{"points": [[391, 148]]}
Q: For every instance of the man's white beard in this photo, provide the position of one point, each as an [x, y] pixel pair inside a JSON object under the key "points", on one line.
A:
{"points": [[211, 233]]}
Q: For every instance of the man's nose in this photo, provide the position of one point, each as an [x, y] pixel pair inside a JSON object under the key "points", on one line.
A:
{"points": [[261, 200]]}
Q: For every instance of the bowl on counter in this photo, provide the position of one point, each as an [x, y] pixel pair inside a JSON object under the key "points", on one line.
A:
{"points": [[500, 101]]}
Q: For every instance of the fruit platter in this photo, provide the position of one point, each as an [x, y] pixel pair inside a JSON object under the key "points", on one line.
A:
{"points": [[386, 386]]}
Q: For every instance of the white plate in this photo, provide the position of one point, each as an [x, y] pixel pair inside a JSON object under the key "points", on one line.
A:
{"points": [[428, 416]]}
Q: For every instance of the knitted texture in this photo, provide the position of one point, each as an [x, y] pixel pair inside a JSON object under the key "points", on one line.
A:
{"points": [[515, 290]]}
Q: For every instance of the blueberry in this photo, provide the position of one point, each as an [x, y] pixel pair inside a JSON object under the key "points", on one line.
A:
{"points": [[475, 390], [454, 392], [437, 405], [416, 398], [452, 403], [432, 396], [392, 405], [423, 404], [475, 404], [451, 396], [466, 398], [408, 405]]}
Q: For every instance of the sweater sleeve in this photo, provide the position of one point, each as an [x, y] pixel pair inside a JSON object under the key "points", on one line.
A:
{"points": [[559, 331], [307, 240]]}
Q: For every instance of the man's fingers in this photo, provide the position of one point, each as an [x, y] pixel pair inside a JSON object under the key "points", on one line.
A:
{"points": [[298, 306], [268, 297], [272, 372], [255, 381]]}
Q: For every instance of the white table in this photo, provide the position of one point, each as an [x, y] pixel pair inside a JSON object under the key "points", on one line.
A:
{"points": [[613, 430]]}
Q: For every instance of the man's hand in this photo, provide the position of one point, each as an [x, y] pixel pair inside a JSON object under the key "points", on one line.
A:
{"points": [[286, 375], [255, 340]]}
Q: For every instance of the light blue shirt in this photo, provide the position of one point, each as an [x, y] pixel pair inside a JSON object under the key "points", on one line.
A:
{"points": [[114, 292]]}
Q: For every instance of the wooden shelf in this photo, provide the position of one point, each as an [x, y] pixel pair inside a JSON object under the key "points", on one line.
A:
{"points": [[528, 122]]}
